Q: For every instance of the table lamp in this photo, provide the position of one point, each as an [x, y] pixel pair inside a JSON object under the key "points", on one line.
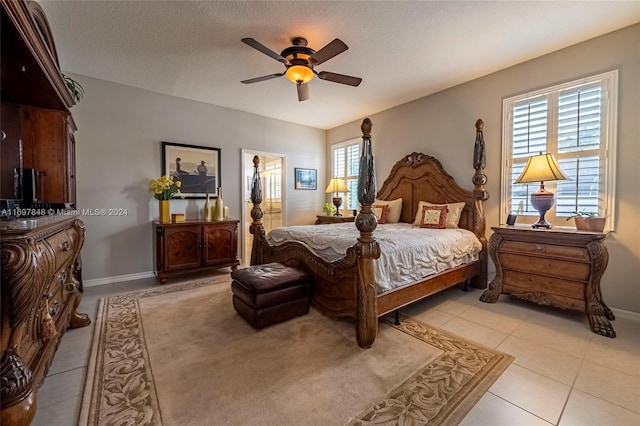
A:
{"points": [[541, 168], [336, 185]]}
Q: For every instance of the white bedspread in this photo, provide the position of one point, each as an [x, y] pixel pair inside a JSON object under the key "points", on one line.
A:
{"points": [[408, 252]]}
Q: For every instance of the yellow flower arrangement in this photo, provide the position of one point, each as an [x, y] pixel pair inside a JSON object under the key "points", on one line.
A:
{"points": [[164, 188]]}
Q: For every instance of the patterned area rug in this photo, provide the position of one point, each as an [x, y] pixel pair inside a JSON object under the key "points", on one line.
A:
{"points": [[179, 354]]}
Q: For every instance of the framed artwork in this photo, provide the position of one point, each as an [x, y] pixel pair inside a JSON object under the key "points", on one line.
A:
{"points": [[197, 167], [306, 178]]}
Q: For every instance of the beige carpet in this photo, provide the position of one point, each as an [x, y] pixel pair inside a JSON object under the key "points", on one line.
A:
{"points": [[180, 355]]}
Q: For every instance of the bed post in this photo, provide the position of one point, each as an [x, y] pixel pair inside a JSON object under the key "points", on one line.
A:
{"points": [[367, 247], [256, 228], [480, 195]]}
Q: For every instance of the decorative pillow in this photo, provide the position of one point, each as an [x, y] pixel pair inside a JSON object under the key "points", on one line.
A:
{"points": [[381, 213], [395, 208], [453, 217], [433, 217]]}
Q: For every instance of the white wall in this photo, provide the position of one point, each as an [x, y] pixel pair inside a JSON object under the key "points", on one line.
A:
{"points": [[118, 150], [442, 125]]}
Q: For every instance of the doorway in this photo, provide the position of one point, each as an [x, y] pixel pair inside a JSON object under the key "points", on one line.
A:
{"points": [[272, 176]]}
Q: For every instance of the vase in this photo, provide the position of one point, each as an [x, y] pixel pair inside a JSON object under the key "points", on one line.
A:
{"points": [[207, 209], [164, 209], [218, 211]]}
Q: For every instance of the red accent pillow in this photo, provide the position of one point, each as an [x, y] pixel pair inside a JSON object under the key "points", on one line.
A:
{"points": [[381, 212], [434, 217]]}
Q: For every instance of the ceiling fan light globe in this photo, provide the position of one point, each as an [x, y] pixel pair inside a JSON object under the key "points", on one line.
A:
{"points": [[299, 74]]}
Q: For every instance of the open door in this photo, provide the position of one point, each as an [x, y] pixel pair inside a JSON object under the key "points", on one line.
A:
{"points": [[272, 167]]}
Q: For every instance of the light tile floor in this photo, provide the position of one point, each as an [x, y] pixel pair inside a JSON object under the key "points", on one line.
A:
{"points": [[563, 373]]}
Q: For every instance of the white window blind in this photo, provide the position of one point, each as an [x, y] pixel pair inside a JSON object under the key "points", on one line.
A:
{"points": [[346, 164], [575, 122]]}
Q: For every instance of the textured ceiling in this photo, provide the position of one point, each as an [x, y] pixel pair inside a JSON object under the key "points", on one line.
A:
{"points": [[402, 50]]}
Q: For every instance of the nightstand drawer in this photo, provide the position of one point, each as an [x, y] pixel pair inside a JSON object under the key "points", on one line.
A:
{"points": [[540, 249], [525, 281], [574, 271]]}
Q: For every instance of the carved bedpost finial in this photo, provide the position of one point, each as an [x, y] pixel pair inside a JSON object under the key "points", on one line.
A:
{"points": [[256, 184], [479, 156], [479, 163], [366, 128], [256, 227]]}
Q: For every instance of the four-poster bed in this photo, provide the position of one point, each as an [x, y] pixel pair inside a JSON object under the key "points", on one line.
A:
{"points": [[346, 285]]}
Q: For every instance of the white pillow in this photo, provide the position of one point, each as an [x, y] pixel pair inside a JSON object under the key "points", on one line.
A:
{"points": [[453, 216], [395, 209]]}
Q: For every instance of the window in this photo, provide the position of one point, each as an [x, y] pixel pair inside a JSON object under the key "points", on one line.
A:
{"points": [[576, 122], [346, 165]]}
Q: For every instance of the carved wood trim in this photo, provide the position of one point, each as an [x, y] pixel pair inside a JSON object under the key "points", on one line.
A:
{"points": [[15, 384]]}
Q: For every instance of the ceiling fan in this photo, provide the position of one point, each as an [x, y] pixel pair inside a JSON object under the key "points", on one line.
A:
{"points": [[300, 61]]}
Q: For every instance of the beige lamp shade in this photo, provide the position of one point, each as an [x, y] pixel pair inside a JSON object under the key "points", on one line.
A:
{"points": [[540, 168], [336, 185]]}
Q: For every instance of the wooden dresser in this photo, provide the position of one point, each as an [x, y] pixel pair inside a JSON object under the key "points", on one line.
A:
{"points": [[193, 246], [39, 276], [556, 267]]}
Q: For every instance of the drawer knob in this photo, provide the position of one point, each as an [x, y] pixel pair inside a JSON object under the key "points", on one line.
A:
{"points": [[540, 248], [65, 246]]}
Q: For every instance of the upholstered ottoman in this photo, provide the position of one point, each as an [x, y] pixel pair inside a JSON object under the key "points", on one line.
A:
{"points": [[271, 293]]}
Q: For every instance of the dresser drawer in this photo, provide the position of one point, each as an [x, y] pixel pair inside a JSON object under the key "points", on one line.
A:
{"points": [[539, 249], [540, 283], [574, 271], [62, 244]]}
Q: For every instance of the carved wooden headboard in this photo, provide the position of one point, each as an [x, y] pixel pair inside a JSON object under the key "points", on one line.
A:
{"points": [[420, 177]]}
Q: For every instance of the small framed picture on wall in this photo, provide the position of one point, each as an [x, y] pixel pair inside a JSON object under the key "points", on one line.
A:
{"points": [[306, 178]]}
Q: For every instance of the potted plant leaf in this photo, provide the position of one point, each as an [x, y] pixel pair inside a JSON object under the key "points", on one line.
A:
{"points": [[328, 209], [588, 221], [75, 88]]}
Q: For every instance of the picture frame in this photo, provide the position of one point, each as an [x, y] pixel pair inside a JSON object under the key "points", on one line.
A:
{"points": [[197, 167], [511, 219], [305, 178]]}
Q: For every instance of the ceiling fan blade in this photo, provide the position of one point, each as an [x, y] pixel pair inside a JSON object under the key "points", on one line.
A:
{"points": [[339, 78], [264, 49], [303, 92], [263, 78], [332, 49]]}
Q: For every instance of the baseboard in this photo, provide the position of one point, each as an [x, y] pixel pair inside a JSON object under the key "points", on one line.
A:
{"points": [[117, 279], [632, 314]]}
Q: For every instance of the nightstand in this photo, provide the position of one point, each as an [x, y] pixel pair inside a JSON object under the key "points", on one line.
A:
{"points": [[555, 267], [323, 220]]}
